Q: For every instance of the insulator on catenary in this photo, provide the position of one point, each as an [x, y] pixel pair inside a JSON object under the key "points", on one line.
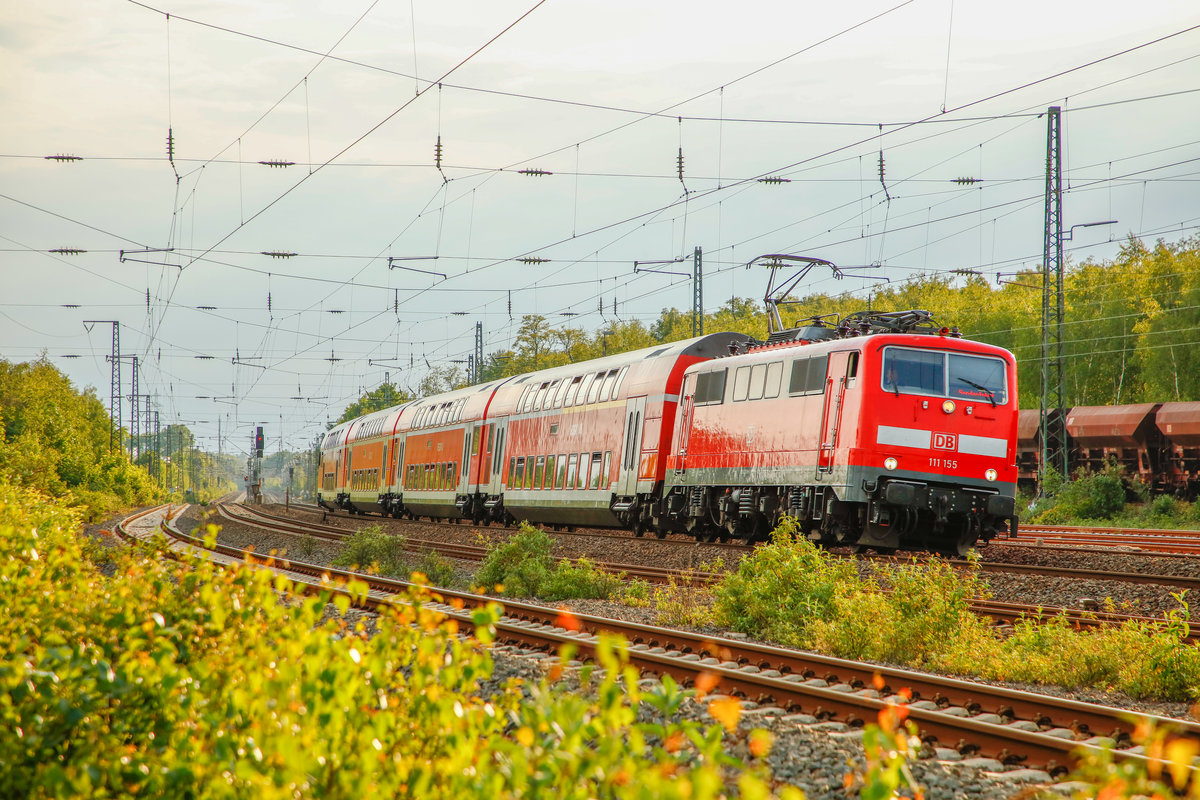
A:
{"points": [[533, 260], [535, 172], [775, 179], [277, 162], [437, 152], [966, 181], [63, 157], [278, 253], [679, 164], [67, 251]]}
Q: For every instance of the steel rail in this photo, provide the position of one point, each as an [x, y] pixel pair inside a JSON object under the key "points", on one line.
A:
{"points": [[791, 679]]}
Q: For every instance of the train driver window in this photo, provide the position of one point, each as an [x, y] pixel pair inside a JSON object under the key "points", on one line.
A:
{"points": [[914, 371], [773, 379], [978, 378]]}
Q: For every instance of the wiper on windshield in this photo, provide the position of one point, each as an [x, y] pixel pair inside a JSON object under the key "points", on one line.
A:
{"points": [[991, 396]]}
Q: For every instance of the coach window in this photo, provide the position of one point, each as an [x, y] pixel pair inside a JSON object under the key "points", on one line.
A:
{"points": [[451, 473], [773, 379], [572, 463], [560, 392], [562, 471], [758, 380], [518, 477], [584, 387], [594, 389], [604, 471], [548, 482], [620, 382], [539, 472], [569, 394], [741, 383], [594, 472], [540, 397], [551, 393], [609, 382]]}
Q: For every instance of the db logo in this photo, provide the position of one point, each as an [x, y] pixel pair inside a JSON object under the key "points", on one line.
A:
{"points": [[945, 441]]}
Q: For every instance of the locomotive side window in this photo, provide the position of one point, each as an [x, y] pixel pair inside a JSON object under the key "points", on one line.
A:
{"points": [[710, 387], [978, 378], [808, 375], [773, 379], [741, 383], [758, 379]]}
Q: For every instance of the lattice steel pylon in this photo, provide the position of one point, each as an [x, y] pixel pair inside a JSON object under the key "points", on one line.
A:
{"points": [[134, 420], [477, 364], [1053, 423], [697, 293], [114, 427]]}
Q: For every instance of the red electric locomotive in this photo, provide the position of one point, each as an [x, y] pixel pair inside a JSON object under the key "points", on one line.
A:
{"points": [[885, 431]]}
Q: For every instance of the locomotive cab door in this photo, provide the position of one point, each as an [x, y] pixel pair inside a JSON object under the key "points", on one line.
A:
{"points": [[831, 415], [635, 414], [687, 396]]}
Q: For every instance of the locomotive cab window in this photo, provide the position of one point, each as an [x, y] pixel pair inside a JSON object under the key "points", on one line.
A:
{"points": [[940, 374], [710, 387]]}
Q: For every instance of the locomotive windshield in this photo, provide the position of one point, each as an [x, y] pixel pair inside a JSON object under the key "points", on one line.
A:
{"points": [[945, 375]]}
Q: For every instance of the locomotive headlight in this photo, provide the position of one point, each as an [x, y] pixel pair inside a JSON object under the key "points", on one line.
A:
{"points": [[990, 474], [892, 463], [948, 406]]}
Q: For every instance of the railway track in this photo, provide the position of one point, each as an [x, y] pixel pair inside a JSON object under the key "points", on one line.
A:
{"points": [[1157, 541], [1015, 727], [997, 611]]}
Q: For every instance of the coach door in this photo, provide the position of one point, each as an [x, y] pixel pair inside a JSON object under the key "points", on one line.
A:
{"points": [[635, 418], [497, 459], [831, 416]]}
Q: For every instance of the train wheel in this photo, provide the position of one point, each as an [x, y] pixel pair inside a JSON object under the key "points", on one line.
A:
{"points": [[639, 529], [660, 533]]}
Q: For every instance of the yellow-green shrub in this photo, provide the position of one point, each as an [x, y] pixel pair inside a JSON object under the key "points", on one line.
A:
{"points": [[191, 680]]}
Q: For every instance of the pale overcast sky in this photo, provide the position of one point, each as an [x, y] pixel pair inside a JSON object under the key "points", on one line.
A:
{"points": [[603, 95]]}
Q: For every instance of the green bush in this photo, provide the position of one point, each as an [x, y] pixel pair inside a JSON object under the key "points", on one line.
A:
{"points": [[793, 593], [1090, 496], [373, 549], [580, 580], [780, 589], [523, 566], [195, 680], [437, 569], [519, 565]]}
